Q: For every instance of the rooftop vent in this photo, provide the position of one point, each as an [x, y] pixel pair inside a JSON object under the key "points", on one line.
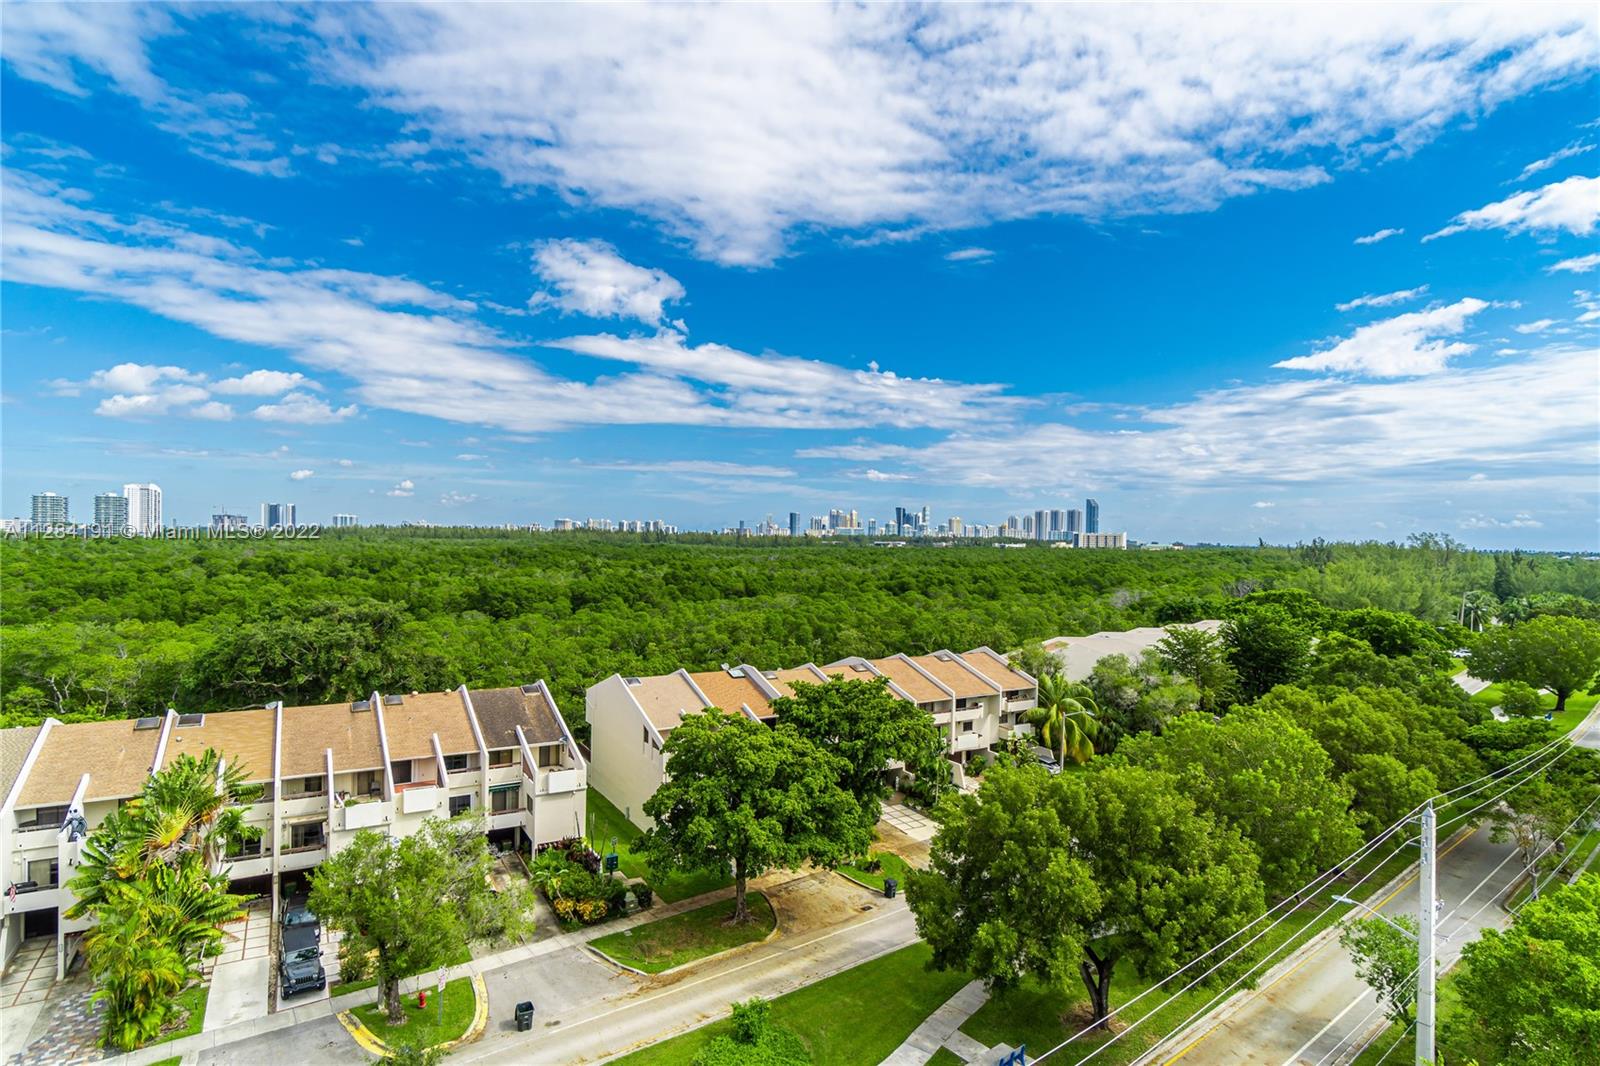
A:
{"points": [[770, 675], [147, 723], [632, 681], [393, 701], [944, 657], [737, 671], [185, 720], [360, 705]]}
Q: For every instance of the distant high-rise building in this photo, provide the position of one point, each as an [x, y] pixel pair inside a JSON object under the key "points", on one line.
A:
{"points": [[1041, 528], [346, 521], [111, 512], [1058, 520], [277, 515], [794, 523], [1013, 524], [144, 508], [229, 523], [1091, 516], [1027, 525], [1074, 522], [902, 520], [49, 509], [955, 525]]}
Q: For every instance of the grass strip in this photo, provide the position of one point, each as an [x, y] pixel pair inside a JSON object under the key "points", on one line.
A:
{"points": [[668, 942]]}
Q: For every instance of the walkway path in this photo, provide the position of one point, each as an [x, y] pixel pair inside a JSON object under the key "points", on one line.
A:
{"points": [[941, 1027]]}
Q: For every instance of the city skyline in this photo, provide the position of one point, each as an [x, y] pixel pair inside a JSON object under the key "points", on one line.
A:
{"points": [[334, 267]]}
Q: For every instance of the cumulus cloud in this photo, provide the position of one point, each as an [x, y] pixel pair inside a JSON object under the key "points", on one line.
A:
{"points": [[454, 498], [263, 383], [1581, 264], [471, 457], [1380, 235], [737, 127], [1263, 504], [873, 474], [591, 278], [302, 408], [1404, 346], [1383, 300], [213, 411], [1482, 521], [1572, 206], [405, 487], [301, 475]]}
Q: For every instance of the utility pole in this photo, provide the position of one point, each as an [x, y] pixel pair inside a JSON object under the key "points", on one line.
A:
{"points": [[1425, 890]]}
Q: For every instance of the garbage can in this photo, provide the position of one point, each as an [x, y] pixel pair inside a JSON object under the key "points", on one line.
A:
{"points": [[890, 887], [524, 1015]]}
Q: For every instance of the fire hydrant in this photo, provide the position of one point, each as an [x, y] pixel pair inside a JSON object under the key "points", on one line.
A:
{"points": [[422, 998]]}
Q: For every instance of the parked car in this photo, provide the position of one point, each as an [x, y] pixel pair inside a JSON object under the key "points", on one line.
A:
{"points": [[300, 963], [298, 915], [1046, 758]]}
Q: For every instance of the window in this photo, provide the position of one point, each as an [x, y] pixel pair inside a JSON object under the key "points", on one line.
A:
{"points": [[42, 818], [305, 835], [502, 756], [401, 771], [245, 849], [506, 799], [460, 803], [303, 786], [966, 727], [455, 763], [43, 872], [550, 755], [646, 731]]}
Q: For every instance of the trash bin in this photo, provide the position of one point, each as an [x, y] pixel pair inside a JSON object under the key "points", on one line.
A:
{"points": [[890, 887], [524, 1015]]}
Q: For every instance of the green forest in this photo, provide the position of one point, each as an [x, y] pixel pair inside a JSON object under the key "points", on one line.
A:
{"points": [[117, 628]]}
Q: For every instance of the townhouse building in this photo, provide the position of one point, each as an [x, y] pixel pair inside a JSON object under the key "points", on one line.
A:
{"points": [[974, 698], [385, 762]]}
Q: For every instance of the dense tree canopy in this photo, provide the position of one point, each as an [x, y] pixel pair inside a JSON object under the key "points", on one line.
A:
{"points": [[1555, 652], [125, 627]]}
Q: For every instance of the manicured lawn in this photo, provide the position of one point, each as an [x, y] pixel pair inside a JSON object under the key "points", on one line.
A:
{"points": [[193, 999], [893, 866], [176, 1060], [606, 822], [661, 945], [423, 1026], [945, 1057], [1033, 1015], [1579, 704], [854, 1018], [464, 955]]}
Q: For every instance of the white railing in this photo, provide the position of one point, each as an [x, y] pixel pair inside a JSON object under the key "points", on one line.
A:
{"points": [[419, 799], [506, 819], [504, 775], [1016, 706], [291, 807], [970, 741], [364, 815], [562, 780], [37, 839]]}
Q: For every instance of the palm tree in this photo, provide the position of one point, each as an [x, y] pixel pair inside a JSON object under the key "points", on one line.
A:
{"points": [[1067, 718]]}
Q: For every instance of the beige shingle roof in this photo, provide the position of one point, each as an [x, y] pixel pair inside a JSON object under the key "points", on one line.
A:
{"points": [[783, 680], [906, 676], [731, 693], [309, 731], [996, 669], [664, 699], [410, 725], [244, 738], [15, 743], [955, 676], [115, 755], [501, 710]]}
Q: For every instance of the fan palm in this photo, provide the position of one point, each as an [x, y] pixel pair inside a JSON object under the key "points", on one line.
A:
{"points": [[1067, 718]]}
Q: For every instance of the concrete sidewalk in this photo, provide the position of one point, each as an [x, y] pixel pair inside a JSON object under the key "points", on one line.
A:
{"points": [[941, 1027]]}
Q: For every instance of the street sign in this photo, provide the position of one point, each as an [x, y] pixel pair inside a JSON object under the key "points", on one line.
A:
{"points": [[441, 978]]}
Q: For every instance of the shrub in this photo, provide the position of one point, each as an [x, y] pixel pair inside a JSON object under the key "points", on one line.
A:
{"points": [[644, 895], [755, 1041], [354, 964], [750, 1019], [1520, 700], [977, 765]]}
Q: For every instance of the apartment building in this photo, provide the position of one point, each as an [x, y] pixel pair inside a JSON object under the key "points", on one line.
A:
{"points": [[385, 762], [972, 698]]}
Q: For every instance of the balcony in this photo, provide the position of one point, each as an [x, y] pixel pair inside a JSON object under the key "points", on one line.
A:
{"points": [[506, 819], [43, 839], [973, 741], [303, 803], [561, 780], [505, 775], [365, 814], [1020, 706], [418, 797], [465, 778], [38, 898]]}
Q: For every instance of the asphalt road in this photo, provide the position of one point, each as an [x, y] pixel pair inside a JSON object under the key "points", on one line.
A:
{"points": [[1317, 1011]]}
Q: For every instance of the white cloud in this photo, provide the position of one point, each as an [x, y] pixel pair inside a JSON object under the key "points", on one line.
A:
{"points": [[715, 469], [738, 126], [1403, 346], [1572, 205], [1535, 327], [301, 475], [1384, 300], [471, 457], [1263, 504], [1380, 235], [1552, 159], [1581, 264], [1588, 303], [872, 474], [967, 255], [1483, 521], [302, 408], [405, 487], [590, 278], [457, 499], [263, 383], [345, 462], [214, 411]]}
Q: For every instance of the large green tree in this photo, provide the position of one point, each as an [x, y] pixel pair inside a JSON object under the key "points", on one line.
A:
{"points": [[1056, 877], [1531, 994], [414, 900], [1268, 645], [1555, 652], [1067, 718], [1258, 771], [1200, 656], [1386, 959], [864, 724], [744, 796]]}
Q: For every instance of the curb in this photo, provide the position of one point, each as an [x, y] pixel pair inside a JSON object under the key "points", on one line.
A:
{"points": [[777, 928], [372, 1044]]}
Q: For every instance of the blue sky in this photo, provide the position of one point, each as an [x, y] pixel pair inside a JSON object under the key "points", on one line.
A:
{"points": [[1333, 276]]}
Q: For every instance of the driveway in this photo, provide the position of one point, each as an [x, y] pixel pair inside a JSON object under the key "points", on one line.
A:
{"points": [[243, 974], [913, 823]]}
